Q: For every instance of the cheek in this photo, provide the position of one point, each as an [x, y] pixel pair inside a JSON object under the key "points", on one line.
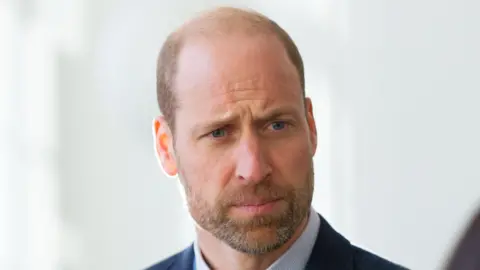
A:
{"points": [[204, 174], [294, 161]]}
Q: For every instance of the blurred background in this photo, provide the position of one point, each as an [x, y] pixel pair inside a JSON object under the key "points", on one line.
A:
{"points": [[395, 86]]}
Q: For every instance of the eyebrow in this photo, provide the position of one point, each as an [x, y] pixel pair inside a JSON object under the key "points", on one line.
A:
{"points": [[276, 113], [207, 126], [265, 117]]}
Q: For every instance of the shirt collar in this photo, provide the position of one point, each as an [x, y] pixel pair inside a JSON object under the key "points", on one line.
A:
{"points": [[296, 257], [199, 263]]}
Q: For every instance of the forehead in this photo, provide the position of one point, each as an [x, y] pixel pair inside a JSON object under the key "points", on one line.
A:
{"points": [[219, 71]]}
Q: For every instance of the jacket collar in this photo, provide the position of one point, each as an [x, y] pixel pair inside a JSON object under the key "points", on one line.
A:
{"points": [[331, 250]]}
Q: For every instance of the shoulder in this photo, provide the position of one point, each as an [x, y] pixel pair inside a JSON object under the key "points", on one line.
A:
{"points": [[364, 260], [165, 264], [180, 260], [333, 251]]}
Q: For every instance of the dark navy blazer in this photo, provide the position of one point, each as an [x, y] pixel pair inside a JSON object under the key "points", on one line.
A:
{"points": [[330, 252]]}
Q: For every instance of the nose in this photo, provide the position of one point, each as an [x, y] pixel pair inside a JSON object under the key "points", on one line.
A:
{"points": [[252, 165]]}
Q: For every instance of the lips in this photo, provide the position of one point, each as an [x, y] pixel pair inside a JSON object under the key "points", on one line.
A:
{"points": [[257, 207], [258, 202]]}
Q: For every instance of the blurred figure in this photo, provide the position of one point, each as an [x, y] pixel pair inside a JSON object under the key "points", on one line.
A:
{"points": [[240, 133], [467, 253]]}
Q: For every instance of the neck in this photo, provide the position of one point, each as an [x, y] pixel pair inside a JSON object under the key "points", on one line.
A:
{"points": [[219, 255]]}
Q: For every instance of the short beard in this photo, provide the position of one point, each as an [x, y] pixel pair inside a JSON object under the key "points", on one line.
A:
{"points": [[260, 234]]}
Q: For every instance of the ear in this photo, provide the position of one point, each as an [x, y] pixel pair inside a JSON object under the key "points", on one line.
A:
{"points": [[163, 142], [311, 124]]}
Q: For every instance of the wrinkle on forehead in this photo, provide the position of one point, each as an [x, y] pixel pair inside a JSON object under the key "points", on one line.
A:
{"points": [[219, 74], [260, 93], [211, 68]]}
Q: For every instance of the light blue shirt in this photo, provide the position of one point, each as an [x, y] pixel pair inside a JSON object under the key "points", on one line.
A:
{"points": [[295, 258]]}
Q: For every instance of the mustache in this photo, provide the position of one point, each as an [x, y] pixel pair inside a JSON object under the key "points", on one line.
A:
{"points": [[254, 195]]}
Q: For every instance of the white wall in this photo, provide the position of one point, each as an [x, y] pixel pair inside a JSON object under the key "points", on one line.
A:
{"points": [[395, 93], [411, 87]]}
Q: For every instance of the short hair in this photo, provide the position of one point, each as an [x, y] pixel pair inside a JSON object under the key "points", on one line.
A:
{"points": [[219, 21]]}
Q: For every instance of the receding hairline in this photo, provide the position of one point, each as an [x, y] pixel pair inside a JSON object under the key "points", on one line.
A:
{"points": [[218, 22]]}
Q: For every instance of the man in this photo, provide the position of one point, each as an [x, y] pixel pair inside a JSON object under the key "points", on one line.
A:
{"points": [[240, 133]]}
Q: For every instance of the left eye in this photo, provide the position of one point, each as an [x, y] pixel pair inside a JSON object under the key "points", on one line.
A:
{"points": [[278, 125]]}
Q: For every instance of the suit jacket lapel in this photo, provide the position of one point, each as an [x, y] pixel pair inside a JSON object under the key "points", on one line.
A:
{"points": [[331, 250]]}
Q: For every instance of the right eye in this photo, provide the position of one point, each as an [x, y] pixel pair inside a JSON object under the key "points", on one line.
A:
{"points": [[218, 133]]}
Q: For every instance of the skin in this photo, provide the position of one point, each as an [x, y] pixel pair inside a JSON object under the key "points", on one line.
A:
{"points": [[245, 135]]}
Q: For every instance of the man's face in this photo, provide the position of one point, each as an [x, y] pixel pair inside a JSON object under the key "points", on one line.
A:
{"points": [[244, 141]]}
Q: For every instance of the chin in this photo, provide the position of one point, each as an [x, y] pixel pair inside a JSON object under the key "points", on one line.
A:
{"points": [[259, 241], [261, 232]]}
